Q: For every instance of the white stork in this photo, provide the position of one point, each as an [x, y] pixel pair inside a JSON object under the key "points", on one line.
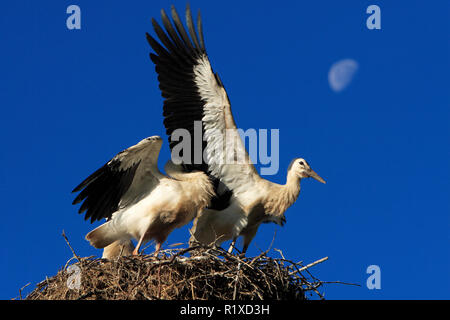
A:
{"points": [[138, 200], [193, 92]]}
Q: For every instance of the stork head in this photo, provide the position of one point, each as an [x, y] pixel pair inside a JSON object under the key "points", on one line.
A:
{"points": [[302, 169]]}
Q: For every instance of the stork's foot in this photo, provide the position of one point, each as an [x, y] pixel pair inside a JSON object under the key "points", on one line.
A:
{"points": [[232, 245], [157, 248], [136, 250]]}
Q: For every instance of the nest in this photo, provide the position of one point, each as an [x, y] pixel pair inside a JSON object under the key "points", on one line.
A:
{"points": [[195, 273]]}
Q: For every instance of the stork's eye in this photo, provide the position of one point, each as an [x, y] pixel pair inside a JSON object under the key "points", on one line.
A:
{"points": [[302, 163]]}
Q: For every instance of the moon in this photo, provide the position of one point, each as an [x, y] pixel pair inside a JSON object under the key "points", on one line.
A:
{"points": [[341, 74]]}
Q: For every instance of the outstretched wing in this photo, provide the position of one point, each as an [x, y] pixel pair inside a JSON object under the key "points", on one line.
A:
{"points": [[192, 93], [125, 179]]}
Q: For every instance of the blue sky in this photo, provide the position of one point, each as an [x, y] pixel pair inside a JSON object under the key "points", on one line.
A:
{"points": [[72, 99]]}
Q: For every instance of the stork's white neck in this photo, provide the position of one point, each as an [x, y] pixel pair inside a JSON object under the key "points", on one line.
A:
{"points": [[281, 197], [292, 187]]}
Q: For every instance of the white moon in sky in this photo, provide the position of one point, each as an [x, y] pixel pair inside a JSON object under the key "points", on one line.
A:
{"points": [[341, 74]]}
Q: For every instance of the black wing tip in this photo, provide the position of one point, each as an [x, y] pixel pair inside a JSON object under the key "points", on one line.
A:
{"points": [[150, 40], [174, 13], [76, 189], [188, 9], [83, 184], [200, 31], [102, 191], [191, 42], [164, 15]]}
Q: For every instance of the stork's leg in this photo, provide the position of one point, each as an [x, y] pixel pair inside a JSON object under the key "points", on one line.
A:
{"points": [[136, 250], [160, 239], [233, 243], [157, 248]]}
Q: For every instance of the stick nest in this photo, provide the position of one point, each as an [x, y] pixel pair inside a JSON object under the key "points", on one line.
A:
{"points": [[195, 273]]}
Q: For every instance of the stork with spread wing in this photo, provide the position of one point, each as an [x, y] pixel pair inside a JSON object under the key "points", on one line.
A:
{"points": [[138, 200], [193, 93]]}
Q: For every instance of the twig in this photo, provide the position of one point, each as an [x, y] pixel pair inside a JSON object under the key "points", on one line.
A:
{"points": [[340, 282], [68, 243], [159, 282], [236, 279], [309, 266], [280, 252], [20, 290]]}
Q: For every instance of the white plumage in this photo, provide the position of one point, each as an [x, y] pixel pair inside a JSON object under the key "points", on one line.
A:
{"points": [[193, 92], [223, 191], [138, 200]]}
